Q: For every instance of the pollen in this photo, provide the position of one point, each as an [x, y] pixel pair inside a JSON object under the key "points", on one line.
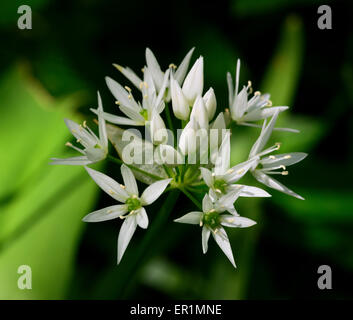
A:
{"points": [[122, 186], [173, 66], [257, 93], [120, 68], [117, 102]]}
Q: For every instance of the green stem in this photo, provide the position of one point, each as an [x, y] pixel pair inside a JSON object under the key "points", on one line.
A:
{"points": [[191, 197], [116, 160]]}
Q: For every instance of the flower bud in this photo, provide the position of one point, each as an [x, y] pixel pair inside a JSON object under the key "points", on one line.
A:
{"points": [[193, 83], [187, 140], [180, 105], [199, 113], [210, 103]]}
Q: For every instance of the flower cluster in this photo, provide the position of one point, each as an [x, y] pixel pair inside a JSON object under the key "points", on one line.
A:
{"points": [[194, 158]]}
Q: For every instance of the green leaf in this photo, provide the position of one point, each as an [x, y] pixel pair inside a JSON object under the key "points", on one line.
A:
{"points": [[41, 207]]}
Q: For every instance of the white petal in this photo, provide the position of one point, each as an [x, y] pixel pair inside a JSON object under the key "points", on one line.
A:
{"points": [[101, 122], [219, 123], [248, 191], [238, 171], [210, 103], [105, 214], [129, 180], [239, 104], [131, 75], [236, 222], [223, 157], [193, 217], [205, 235], [228, 199], [273, 183], [193, 83], [285, 159], [121, 94], [108, 185], [222, 240], [142, 218], [126, 232], [207, 176], [264, 136], [133, 114], [155, 69], [230, 89], [159, 133], [187, 139], [74, 161], [119, 120], [207, 204], [264, 113], [81, 134], [153, 191], [162, 91], [183, 67]]}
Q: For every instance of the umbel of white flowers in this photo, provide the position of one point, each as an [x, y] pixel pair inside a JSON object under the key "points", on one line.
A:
{"points": [[196, 112]]}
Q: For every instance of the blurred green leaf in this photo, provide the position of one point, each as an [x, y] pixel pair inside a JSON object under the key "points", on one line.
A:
{"points": [[319, 206], [40, 219]]}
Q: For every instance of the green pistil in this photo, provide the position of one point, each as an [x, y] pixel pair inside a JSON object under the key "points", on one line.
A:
{"points": [[133, 204], [220, 185], [211, 219], [144, 113]]}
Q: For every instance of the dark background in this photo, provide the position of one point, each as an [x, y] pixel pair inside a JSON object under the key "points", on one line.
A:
{"points": [[70, 49]]}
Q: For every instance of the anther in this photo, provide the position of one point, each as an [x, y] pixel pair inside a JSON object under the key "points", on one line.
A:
{"points": [[117, 102], [122, 186], [111, 191], [272, 157], [282, 167], [240, 171], [173, 66], [230, 171], [269, 103], [127, 88], [85, 124], [68, 144], [284, 173], [287, 156], [257, 93]]}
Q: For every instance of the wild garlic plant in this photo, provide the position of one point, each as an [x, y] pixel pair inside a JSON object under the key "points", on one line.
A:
{"points": [[194, 158]]}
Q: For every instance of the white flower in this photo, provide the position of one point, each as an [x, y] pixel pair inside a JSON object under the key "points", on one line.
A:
{"points": [[193, 83], [158, 130], [156, 72], [212, 221], [132, 211], [243, 110], [137, 115], [222, 178], [270, 164], [95, 149]]}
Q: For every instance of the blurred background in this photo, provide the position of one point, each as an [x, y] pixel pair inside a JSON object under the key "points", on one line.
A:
{"points": [[54, 70]]}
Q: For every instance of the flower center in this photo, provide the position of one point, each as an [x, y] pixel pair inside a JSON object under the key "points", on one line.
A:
{"points": [[133, 204], [144, 113], [211, 219], [220, 186]]}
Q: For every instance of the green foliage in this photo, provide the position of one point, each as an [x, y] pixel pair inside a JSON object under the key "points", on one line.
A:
{"points": [[41, 207]]}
